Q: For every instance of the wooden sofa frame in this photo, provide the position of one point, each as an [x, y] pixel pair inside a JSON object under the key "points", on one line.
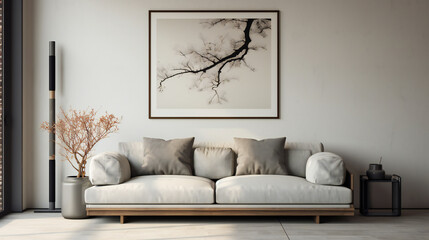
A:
{"points": [[316, 212]]}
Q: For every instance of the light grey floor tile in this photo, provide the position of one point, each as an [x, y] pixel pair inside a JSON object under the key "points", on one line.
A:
{"points": [[28, 225], [412, 225]]}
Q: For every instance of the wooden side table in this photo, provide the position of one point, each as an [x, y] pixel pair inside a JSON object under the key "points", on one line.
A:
{"points": [[396, 195]]}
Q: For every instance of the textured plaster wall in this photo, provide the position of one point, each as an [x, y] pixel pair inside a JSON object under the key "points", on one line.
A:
{"points": [[354, 75]]}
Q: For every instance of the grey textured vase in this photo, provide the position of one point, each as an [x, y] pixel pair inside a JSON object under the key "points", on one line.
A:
{"points": [[73, 202]]}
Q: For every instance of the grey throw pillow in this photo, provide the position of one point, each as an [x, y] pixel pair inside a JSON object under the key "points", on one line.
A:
{"points": [[260, 157], [172, 157]]}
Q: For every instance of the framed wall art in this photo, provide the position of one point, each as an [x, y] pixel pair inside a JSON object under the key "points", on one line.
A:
{"points": [[213, 64]]}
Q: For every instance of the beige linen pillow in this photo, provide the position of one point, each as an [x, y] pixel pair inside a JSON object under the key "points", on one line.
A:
{"points": [[260, 157], [171, 157]]}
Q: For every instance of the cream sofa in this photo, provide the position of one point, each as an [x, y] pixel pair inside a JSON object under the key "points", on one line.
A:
{"points": [[223, 195]]}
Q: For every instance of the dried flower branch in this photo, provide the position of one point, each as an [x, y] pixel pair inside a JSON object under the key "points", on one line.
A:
{"points": [[78, 132]]}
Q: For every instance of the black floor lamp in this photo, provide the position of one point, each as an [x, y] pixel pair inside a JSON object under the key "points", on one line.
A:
{"points": [[51, 134]]}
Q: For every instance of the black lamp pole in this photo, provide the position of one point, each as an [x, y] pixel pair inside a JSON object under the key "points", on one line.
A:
{"points": [[51, 134]]}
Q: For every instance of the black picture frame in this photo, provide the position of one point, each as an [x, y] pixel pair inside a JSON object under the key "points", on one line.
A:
{"points": [[274, 111]]}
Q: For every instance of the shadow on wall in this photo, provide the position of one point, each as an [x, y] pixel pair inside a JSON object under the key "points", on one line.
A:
{"points": [[28, 102], [59, 92], [34, 179]]}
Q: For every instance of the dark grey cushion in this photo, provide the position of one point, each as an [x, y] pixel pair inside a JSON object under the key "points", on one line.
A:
{"points": [[260, 157], [172, 157]]}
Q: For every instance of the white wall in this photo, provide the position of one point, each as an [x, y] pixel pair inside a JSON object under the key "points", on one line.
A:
{"points": [[354, 75]]}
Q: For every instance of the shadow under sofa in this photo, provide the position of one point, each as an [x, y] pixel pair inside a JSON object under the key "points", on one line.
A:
{"points": [[244, 195]]}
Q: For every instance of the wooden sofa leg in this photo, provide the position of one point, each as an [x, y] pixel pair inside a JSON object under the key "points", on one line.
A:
{"points": [[122, 219], [317, 219]]}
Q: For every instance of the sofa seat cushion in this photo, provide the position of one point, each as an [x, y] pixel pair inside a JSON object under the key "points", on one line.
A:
{"points": [[154, 189], [278, 189]]}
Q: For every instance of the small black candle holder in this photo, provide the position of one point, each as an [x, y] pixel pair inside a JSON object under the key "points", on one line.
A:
{"points": [[375, 172]]}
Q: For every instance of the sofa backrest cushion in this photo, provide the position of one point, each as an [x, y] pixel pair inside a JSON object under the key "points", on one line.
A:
{"points": [[134, 152], [214, 162], [296, 155]]}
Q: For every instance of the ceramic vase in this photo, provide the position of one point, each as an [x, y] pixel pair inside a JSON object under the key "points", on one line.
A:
{"points": [[73, 197]]}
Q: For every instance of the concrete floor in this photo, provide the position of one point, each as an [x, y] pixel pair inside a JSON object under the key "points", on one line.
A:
{"points": [[414, 224]]}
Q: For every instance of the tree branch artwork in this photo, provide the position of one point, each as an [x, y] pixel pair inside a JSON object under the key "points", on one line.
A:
{"points": [[207, 65], [78, 132]]}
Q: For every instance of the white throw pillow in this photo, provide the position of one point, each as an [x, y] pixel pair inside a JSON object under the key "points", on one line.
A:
{"points": [[325, 168], [109, 168]]}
